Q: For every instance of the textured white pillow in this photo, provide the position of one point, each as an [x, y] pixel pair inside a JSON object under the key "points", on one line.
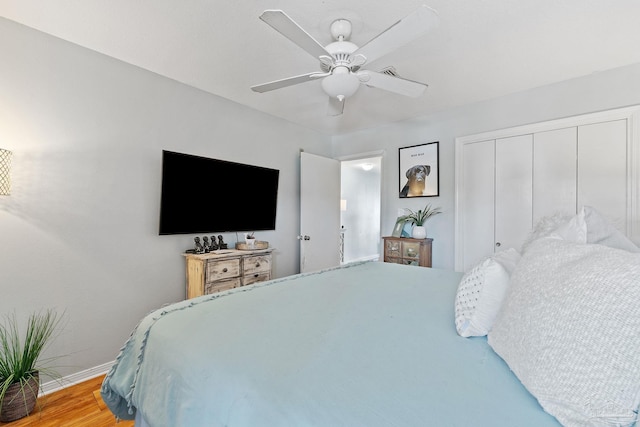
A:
{"points": [[569, 329], [574, 230], [481, 291], [602, 232], [544, 227]]}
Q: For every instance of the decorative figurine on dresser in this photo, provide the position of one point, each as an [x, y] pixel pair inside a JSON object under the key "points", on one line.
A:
{"points": [[221, 242], [205, 246], [199, 249], [214, 245]]}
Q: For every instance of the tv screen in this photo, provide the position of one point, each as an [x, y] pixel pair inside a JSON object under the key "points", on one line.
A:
{"points": [[204, 195]]}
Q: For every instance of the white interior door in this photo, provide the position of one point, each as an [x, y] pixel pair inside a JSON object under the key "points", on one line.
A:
{"points": [[476, 202], [555, 172], [513, 194], [602, 170], [319, 212]]}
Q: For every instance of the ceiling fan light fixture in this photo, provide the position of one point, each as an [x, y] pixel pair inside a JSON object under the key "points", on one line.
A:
{"points": [[341, 61], [341, 83]]}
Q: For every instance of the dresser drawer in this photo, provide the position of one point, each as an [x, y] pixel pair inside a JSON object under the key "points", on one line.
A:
{"points": [[221, 285], [256, 264], [392, 248], [255, 278], [222, 269]]}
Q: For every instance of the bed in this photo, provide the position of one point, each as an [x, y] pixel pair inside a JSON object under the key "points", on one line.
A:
{"points": [[380, 344]]}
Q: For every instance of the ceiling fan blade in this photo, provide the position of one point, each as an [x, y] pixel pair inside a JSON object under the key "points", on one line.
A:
{"points": [[402, 32], [335, 107], [290, 81], [391, 83], [286, 26]]}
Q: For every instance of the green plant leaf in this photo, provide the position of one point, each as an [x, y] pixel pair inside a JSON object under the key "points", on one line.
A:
{"points": [[422, 215]]}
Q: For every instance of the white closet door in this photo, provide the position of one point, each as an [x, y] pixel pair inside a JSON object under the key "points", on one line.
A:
{"points": [[593, 160], [602, 169], [478, 160], [554, 172], [514, 187]]}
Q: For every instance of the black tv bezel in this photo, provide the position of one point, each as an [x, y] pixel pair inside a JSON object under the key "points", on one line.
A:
{"points": [[211, 182]]}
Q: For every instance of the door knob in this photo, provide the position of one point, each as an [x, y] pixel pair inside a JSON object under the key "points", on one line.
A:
{"points": [[305, 237], [498, 244]]}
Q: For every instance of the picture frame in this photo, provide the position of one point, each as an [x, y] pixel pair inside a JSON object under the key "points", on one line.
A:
{"points": [[397, 230], [419, 170]]}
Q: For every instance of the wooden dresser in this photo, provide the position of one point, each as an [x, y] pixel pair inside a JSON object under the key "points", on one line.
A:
{"points": [[226, 269], [408, 251]]}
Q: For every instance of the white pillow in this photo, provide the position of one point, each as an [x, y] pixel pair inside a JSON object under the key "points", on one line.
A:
{"points": [[588, 226], [481, 291], [569, 328], [602, 232], [544, 227], [574, 230]]}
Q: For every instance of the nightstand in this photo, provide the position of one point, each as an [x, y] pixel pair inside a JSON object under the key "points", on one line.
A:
{"points": [[407, 251]]}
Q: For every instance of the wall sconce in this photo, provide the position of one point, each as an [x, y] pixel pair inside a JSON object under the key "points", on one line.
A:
{"points": [[5, 172]]}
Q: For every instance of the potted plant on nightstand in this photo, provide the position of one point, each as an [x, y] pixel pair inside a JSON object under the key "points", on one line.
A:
{"points": [[418, 218], [249, 239], [20, 367]]}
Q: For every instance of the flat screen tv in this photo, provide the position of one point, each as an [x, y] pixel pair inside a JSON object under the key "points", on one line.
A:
{"points": [[204, 195]]}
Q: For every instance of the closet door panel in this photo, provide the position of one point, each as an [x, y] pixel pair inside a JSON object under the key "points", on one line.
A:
{"points": [[554, 172], [514, 187], [602, 169], [477, 193]]}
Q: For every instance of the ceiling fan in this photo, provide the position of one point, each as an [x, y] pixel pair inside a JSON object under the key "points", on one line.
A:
{"points": [[341, 61]]}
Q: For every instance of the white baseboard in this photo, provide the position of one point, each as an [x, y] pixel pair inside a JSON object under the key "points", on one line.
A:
{"points": [[78, 377]]}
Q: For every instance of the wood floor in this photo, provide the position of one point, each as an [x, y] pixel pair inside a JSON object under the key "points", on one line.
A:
{"points": [[76, 406]]}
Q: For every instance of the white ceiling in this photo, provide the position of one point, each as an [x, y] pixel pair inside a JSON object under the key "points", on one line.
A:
{"points": [[481, 49]]}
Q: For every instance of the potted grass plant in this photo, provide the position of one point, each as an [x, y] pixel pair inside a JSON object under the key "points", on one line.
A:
{"points": [[418, 218], [20, 363]]}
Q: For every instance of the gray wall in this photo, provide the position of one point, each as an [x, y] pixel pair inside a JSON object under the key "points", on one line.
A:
{"points": [[80, 230], [597, 92]]}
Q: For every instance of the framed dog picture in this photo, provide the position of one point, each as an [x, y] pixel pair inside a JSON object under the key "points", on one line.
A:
{"points": [[419, 170]]}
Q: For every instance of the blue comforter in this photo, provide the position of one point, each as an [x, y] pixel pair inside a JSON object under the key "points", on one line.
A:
{"points": [[370, 344]]}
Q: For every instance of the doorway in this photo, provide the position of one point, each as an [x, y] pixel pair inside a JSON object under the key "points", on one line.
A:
{"points": [[360, 190]]}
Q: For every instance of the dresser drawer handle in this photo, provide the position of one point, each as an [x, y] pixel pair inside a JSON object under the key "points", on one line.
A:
{"points": [[257, 264], [256, 275], [224, 270]]}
